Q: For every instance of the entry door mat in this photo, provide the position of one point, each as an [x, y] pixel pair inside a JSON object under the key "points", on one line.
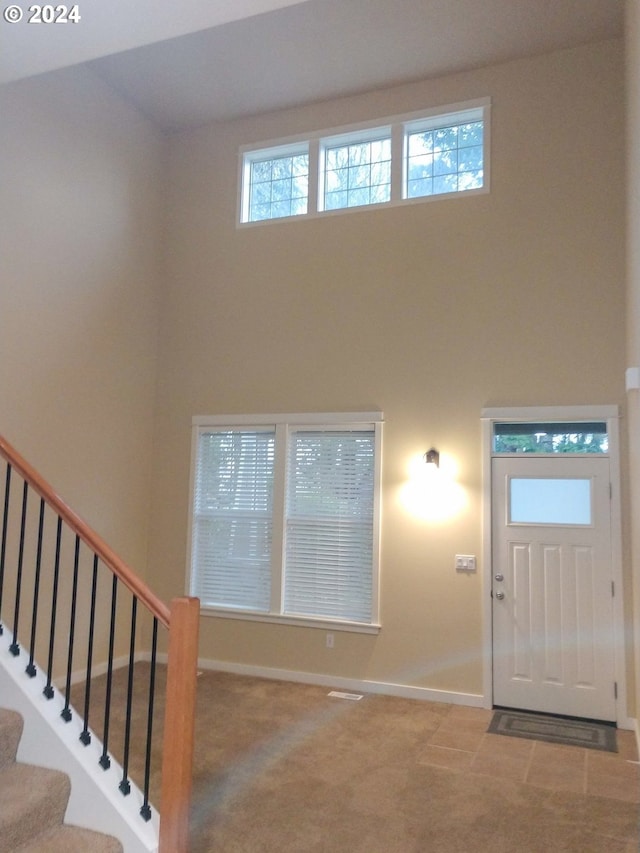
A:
{"points": [[554, 730]]}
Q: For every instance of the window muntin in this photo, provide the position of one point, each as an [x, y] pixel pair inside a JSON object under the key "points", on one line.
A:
{"points": [[277, 184], [309, 553], [409, 158], [356, 172], [444, 159], [551, 437]]}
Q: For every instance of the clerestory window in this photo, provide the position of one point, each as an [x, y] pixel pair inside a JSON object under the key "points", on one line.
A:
{"points": [[277, 183], [406, 159], [355, 170], [444, 158]]}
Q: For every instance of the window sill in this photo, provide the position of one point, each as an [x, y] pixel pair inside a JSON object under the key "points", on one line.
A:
{"points": [[383, 205], [297, 621]]}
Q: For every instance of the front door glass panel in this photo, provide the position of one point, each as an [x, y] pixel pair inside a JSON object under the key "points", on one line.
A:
{"points": [[550, 500]]}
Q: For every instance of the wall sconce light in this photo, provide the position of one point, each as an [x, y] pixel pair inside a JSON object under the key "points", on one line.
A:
{"points": [[432, 457], [431, 492]]}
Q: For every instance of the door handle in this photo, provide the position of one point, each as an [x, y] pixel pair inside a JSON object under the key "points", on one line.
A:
{"points": [[499, 595]]}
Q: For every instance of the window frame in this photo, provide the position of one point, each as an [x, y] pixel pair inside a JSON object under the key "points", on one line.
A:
{"points": [[341, 140], [284, 425], [436, 122], [399, 126], [522, 427], [262, 154]]}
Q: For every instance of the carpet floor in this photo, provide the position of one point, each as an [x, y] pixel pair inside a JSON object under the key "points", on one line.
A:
{"points": [[282, 766]]}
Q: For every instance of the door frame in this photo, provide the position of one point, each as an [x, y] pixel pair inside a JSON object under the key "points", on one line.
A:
{"points": [[611, 415]]}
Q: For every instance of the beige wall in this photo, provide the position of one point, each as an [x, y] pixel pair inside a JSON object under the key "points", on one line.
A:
{"points": [[633, 304], [80, 227], [428, 312], [80, 184]]}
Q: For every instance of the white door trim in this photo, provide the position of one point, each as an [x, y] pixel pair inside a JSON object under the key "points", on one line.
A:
{"points": [[611, 415]]}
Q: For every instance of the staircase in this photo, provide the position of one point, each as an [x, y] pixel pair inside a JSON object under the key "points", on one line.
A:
{"points": [[70, 607], [33, 801]]}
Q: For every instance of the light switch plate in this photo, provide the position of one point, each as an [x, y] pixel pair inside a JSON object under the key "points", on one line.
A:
{"points": [[465, 563]]}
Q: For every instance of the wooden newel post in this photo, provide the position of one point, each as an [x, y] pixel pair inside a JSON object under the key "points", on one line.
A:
{"points": [[179, 720]]}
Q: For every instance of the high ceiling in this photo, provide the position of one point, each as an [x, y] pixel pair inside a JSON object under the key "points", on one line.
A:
{"points": [[281, 53]]}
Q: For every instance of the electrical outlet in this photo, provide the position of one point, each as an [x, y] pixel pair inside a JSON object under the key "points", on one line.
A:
{"points": [[329, 641], [465, 563]]}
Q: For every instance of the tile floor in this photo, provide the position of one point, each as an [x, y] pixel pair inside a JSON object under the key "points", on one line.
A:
{"points": [[462, 743]]}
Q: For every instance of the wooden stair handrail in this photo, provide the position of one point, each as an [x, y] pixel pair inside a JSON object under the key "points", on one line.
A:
{"points": [[124, 573]]}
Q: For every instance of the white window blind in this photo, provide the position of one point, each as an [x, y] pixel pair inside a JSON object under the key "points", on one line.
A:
{"points": [[329, 524], [233, 519]]}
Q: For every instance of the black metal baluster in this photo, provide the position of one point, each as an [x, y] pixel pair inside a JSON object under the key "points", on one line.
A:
{"points": [[145, 811], [14, 648], [105, 761], [125, 786], [31, 669], [66, 711], [85, 735], [3, 545], [48, 690]]}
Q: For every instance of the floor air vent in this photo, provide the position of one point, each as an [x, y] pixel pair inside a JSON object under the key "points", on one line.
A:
{"points": [[337, 694]]}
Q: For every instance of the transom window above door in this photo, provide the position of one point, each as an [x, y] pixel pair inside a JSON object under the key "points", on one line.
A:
{"points": [[550, 437]]}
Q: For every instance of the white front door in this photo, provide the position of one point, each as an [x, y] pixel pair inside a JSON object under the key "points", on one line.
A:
{"points": [[553, 629]]}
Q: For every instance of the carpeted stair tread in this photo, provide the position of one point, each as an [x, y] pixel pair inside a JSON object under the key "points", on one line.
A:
{"points": [[33, 801], [30, 797], [10, 734], [70, 839]]}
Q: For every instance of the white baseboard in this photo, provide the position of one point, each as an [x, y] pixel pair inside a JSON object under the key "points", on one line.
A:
{"points": [[628, 723], [79, 675], [351, 685]]}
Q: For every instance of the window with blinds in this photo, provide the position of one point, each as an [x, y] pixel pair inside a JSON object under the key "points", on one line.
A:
{"points": [[329, 524], [233, 519], [284, 520]]}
